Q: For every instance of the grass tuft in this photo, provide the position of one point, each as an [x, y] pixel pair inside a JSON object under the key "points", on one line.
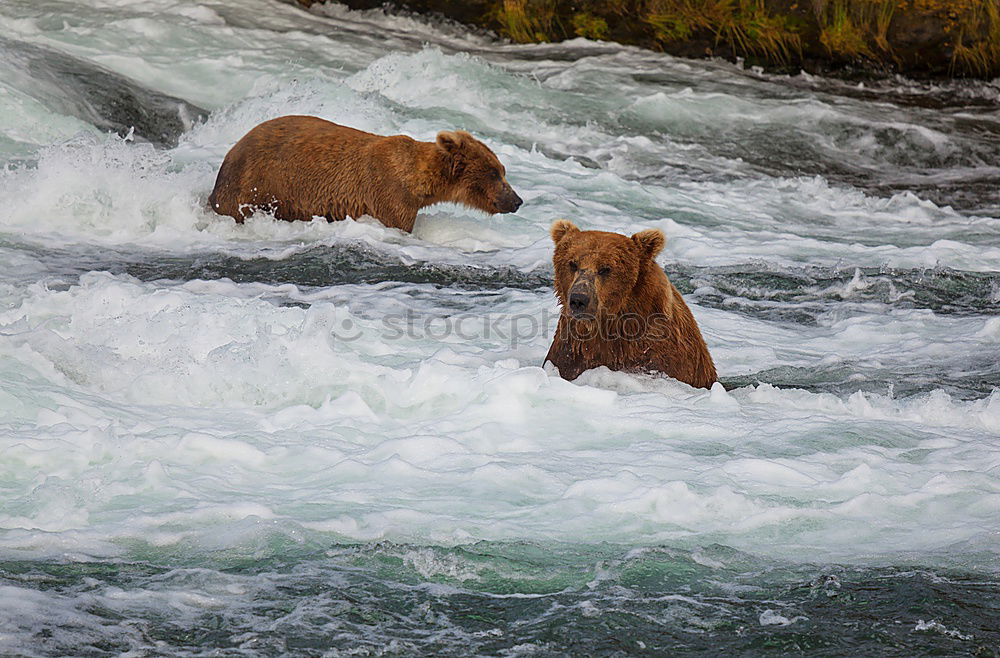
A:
{"points": [[527, 21], [747, 26], [842, 33], [977, 41], [856, 28], [588, 26], [772, 31]]}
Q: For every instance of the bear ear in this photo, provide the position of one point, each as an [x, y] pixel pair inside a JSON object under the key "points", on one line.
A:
{"points": [[450, 140], [560, 228], [650, 241]]}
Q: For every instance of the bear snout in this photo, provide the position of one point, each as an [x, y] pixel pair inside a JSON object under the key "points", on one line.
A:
{"points": [[509, 201], [578, 302], [581, 298]]}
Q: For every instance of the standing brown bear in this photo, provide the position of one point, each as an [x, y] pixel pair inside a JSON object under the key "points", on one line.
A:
{"points": [[619, 309], [300, 167]]}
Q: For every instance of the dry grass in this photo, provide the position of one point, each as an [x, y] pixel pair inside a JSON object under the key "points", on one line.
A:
{"points": [[756, 30], [527, 21], [942, 7], [589, 26], [848, 29], [977, 40], [855, 28], [676, 20], [747, 26]]}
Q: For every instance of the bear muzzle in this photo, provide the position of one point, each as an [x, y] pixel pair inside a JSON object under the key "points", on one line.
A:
{"points": [[578, 302], [581, 297], [508, 201]]}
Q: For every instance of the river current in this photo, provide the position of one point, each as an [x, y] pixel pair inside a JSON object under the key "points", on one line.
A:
{"points": [[338, 439]]}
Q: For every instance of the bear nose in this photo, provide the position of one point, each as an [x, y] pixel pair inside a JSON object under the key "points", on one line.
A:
{"points": [[511, 202], [578, 302]]}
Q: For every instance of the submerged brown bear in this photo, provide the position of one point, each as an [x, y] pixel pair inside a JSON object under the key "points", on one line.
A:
{"points": [[619, 309], [300, 167]]}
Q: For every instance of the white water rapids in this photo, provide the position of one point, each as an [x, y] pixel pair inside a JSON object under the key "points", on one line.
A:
{"points": [[178, 388]]}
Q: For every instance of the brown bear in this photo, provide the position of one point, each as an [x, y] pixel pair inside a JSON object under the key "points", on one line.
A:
{"points": [[300, 167], [619, 309]]}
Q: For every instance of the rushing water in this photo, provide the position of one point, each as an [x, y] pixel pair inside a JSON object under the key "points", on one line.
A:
{"points": [[338, 439]]}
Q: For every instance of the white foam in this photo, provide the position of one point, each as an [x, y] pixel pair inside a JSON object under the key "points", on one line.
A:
{"points": [[253, 414], [203, 417], [937, 627], [97, 189], [771, 618]]}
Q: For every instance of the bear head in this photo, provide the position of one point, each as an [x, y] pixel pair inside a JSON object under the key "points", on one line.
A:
{"points": [[477, 178], [596, 272]]}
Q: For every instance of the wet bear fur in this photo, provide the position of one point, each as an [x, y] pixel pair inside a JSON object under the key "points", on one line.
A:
{"points": [[299, 167], [619, 309]]}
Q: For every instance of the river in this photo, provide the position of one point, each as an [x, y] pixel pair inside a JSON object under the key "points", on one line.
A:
{"points": [[338, 439]]}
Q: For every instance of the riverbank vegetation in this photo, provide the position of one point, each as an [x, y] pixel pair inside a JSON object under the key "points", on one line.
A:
{"points": [[917, 37]]}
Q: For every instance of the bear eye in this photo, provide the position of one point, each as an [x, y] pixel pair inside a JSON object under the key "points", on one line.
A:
{"points": [[495, 174], [573, 267], [604, 271]]}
